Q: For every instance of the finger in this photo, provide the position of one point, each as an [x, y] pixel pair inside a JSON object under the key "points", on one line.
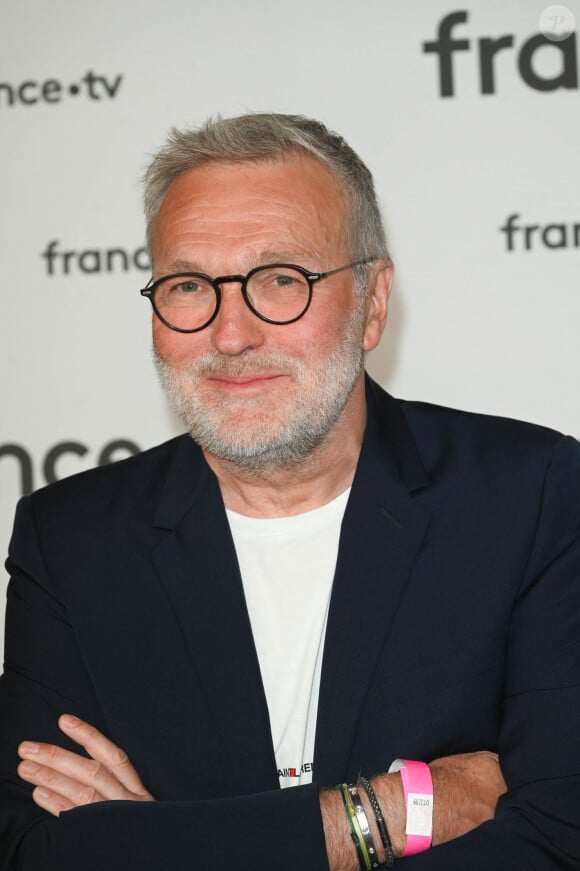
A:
{"points": [[50, 801], [113, 758], [87, 773], [58, 787]]}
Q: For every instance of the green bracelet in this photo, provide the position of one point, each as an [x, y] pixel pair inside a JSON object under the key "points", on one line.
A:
{"points": [[363, 824], [356, 832]]}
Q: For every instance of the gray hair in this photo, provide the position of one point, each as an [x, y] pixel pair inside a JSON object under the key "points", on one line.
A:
{"points": [[256, 137]]}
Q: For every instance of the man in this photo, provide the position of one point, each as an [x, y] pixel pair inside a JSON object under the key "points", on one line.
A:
{"points": [[323, 579]]}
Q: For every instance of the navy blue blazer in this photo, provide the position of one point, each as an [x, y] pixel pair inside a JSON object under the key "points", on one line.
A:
{"points": [[454, 626]]}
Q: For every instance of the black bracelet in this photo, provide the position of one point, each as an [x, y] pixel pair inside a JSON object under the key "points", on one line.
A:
{"points": [[390, 856]]}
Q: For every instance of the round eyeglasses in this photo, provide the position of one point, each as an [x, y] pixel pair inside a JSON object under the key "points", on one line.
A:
{"points": [[279, 293]]}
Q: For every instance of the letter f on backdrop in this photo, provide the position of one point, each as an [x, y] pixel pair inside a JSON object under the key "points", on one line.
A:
{"points": [[444, 46]]}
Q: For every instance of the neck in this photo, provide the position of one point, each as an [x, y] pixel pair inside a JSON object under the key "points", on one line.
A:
{"points": [[279, 491]]}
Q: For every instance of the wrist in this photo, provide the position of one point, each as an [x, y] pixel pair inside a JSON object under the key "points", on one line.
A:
{"points": [[418, 792], [340, 848]]}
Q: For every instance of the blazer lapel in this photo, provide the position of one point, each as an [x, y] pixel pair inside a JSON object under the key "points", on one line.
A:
{"points": [[197, 565], [381, 536], [382, 531]]}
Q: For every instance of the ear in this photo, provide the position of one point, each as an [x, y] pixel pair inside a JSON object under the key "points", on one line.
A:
{"points": [[380, 283]]}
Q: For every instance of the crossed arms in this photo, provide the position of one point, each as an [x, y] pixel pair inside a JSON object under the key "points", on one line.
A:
{"points": [[466, 787]]}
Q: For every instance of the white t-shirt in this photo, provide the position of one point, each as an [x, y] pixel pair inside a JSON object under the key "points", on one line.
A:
{"points": [[287, 566]]}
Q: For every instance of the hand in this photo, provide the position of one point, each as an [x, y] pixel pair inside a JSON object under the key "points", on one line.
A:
{"points": [[65, 780], [466, 788]]}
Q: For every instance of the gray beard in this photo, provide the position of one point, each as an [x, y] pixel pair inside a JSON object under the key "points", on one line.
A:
{"points": [[312, 411]]}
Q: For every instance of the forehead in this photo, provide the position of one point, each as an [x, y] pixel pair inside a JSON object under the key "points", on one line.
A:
{"points": [[291, 203]]}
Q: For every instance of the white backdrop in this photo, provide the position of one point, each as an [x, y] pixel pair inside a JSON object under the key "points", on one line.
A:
{"points": [[88, 90]]}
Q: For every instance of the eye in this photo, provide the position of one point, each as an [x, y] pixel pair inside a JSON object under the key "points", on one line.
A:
{"points": [[183, 290], [273, 278], [186, 287], [284, 280]]}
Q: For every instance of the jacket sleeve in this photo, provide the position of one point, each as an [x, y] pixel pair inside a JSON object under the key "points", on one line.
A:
{"points": [[537, 823], [44, 676]]}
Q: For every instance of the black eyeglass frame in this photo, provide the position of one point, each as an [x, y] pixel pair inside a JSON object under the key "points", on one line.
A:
{"points": [[311, 278]]}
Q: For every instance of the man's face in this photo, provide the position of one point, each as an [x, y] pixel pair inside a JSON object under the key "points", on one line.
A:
{"points": [[258, 394]]}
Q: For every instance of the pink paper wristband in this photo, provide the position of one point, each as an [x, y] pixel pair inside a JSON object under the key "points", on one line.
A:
{"points": [[418, 788]]}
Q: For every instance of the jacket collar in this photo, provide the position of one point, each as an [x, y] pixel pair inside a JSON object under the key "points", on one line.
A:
{"points": [[387, 438]]}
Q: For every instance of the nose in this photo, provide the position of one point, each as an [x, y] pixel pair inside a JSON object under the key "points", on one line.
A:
{"points": [[235, 329]]}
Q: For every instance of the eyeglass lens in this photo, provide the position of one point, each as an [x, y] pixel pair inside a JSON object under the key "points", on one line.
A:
{"points": [[188, 302]]}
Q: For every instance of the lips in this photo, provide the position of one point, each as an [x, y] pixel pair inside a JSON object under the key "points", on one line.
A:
{"points": [[244, 380]]}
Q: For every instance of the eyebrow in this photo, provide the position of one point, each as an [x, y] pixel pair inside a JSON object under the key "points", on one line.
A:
{"points": [[182, 266], [273, 256], [263, 259]]}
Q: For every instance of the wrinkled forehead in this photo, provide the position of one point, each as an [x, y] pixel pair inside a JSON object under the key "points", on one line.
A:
{"points": [[293, 201]]}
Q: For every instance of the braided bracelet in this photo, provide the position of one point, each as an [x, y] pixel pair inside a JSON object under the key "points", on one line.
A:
{"points": [[390, 856]]}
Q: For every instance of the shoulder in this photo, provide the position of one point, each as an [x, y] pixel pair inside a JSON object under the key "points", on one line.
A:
{"points": [[132, 484], [478, 448], [523, 464], [436, 424], [105, 513], [496, 473]]}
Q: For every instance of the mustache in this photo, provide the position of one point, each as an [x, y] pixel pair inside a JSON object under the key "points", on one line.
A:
{"points": [[247, 363]]}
